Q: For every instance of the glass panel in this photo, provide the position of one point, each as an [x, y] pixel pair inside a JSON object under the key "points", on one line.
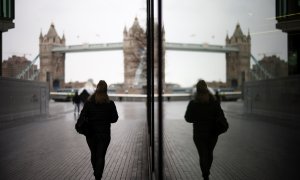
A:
{"points": [[4, 7], [231, 45], [76, 44], [7, 9]]}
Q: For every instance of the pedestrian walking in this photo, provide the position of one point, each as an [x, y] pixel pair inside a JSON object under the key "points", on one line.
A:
{"points": [[217, 95], [203, 111], [98, 113], [76, 101]]}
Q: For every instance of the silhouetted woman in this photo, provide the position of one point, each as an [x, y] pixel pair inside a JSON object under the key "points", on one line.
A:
{"points": [[100, 112], [202, 112]]}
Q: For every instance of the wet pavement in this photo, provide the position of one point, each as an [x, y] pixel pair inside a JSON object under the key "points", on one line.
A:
{"points": [[254, 148], [52, 149]]}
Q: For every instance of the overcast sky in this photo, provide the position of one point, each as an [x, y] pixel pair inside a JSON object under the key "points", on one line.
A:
{"points": [[102, 21]]}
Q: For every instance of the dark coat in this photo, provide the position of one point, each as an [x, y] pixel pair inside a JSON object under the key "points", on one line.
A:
{"points": [[76, 99], [203, 116], [100, 116]]}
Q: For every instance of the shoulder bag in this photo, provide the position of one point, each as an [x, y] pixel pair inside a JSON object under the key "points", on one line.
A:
{"points": [[221, 123], [81, 125]]}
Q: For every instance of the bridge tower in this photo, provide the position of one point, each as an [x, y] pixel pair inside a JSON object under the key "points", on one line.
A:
{"points": [[238, 63], [134, 49], [52, 64]]}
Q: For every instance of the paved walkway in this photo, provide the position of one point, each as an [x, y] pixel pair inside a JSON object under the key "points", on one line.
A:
{"points": [[254, 148], [51, 149]]}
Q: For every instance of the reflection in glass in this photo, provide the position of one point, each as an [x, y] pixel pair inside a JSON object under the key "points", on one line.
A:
{"points": [[228, 44]]}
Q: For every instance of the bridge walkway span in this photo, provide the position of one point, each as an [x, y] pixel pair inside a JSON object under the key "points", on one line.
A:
{"points": [[168, 46]]}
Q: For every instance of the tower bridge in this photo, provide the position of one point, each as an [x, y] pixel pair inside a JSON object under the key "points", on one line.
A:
{"points": [[53, 49], [168, 46]]}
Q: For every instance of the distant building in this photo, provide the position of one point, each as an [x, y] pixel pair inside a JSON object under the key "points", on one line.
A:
{"points": [[273, 65], [74, 85], [14, 66], [216, 84], [7, 16], [78, 85]]}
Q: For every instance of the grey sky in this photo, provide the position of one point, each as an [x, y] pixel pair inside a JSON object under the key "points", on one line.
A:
{"points": [[101, 21]]}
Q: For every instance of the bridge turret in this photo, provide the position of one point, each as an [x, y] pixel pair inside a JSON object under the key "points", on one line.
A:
{"points": [[41, 37], [52, 64], [227, 38], [238, 63], [125, 33], [136, 31], [248, 36], [63, 39]]}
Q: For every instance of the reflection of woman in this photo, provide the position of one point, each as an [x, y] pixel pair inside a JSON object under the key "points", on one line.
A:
{"points": [[202, 112], [100, 112]]}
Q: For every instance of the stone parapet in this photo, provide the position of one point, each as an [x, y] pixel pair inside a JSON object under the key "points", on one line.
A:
{"points": [[22, 98]]}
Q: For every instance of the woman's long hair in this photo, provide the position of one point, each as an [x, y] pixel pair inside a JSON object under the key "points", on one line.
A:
{"points": [[100, 96], [202, 95]]}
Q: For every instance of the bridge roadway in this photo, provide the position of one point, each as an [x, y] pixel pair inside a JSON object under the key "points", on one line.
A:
{"points": [[254, 148], [168, 46]]}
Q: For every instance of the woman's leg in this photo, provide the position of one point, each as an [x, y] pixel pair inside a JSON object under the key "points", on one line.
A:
{"points": [[91, 141], [211, 146], [205, 147], [101, 148]]}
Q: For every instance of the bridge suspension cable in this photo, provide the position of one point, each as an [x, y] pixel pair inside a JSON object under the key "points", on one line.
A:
{"points": [[141, 67], [265, 72], [27, 68]]}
